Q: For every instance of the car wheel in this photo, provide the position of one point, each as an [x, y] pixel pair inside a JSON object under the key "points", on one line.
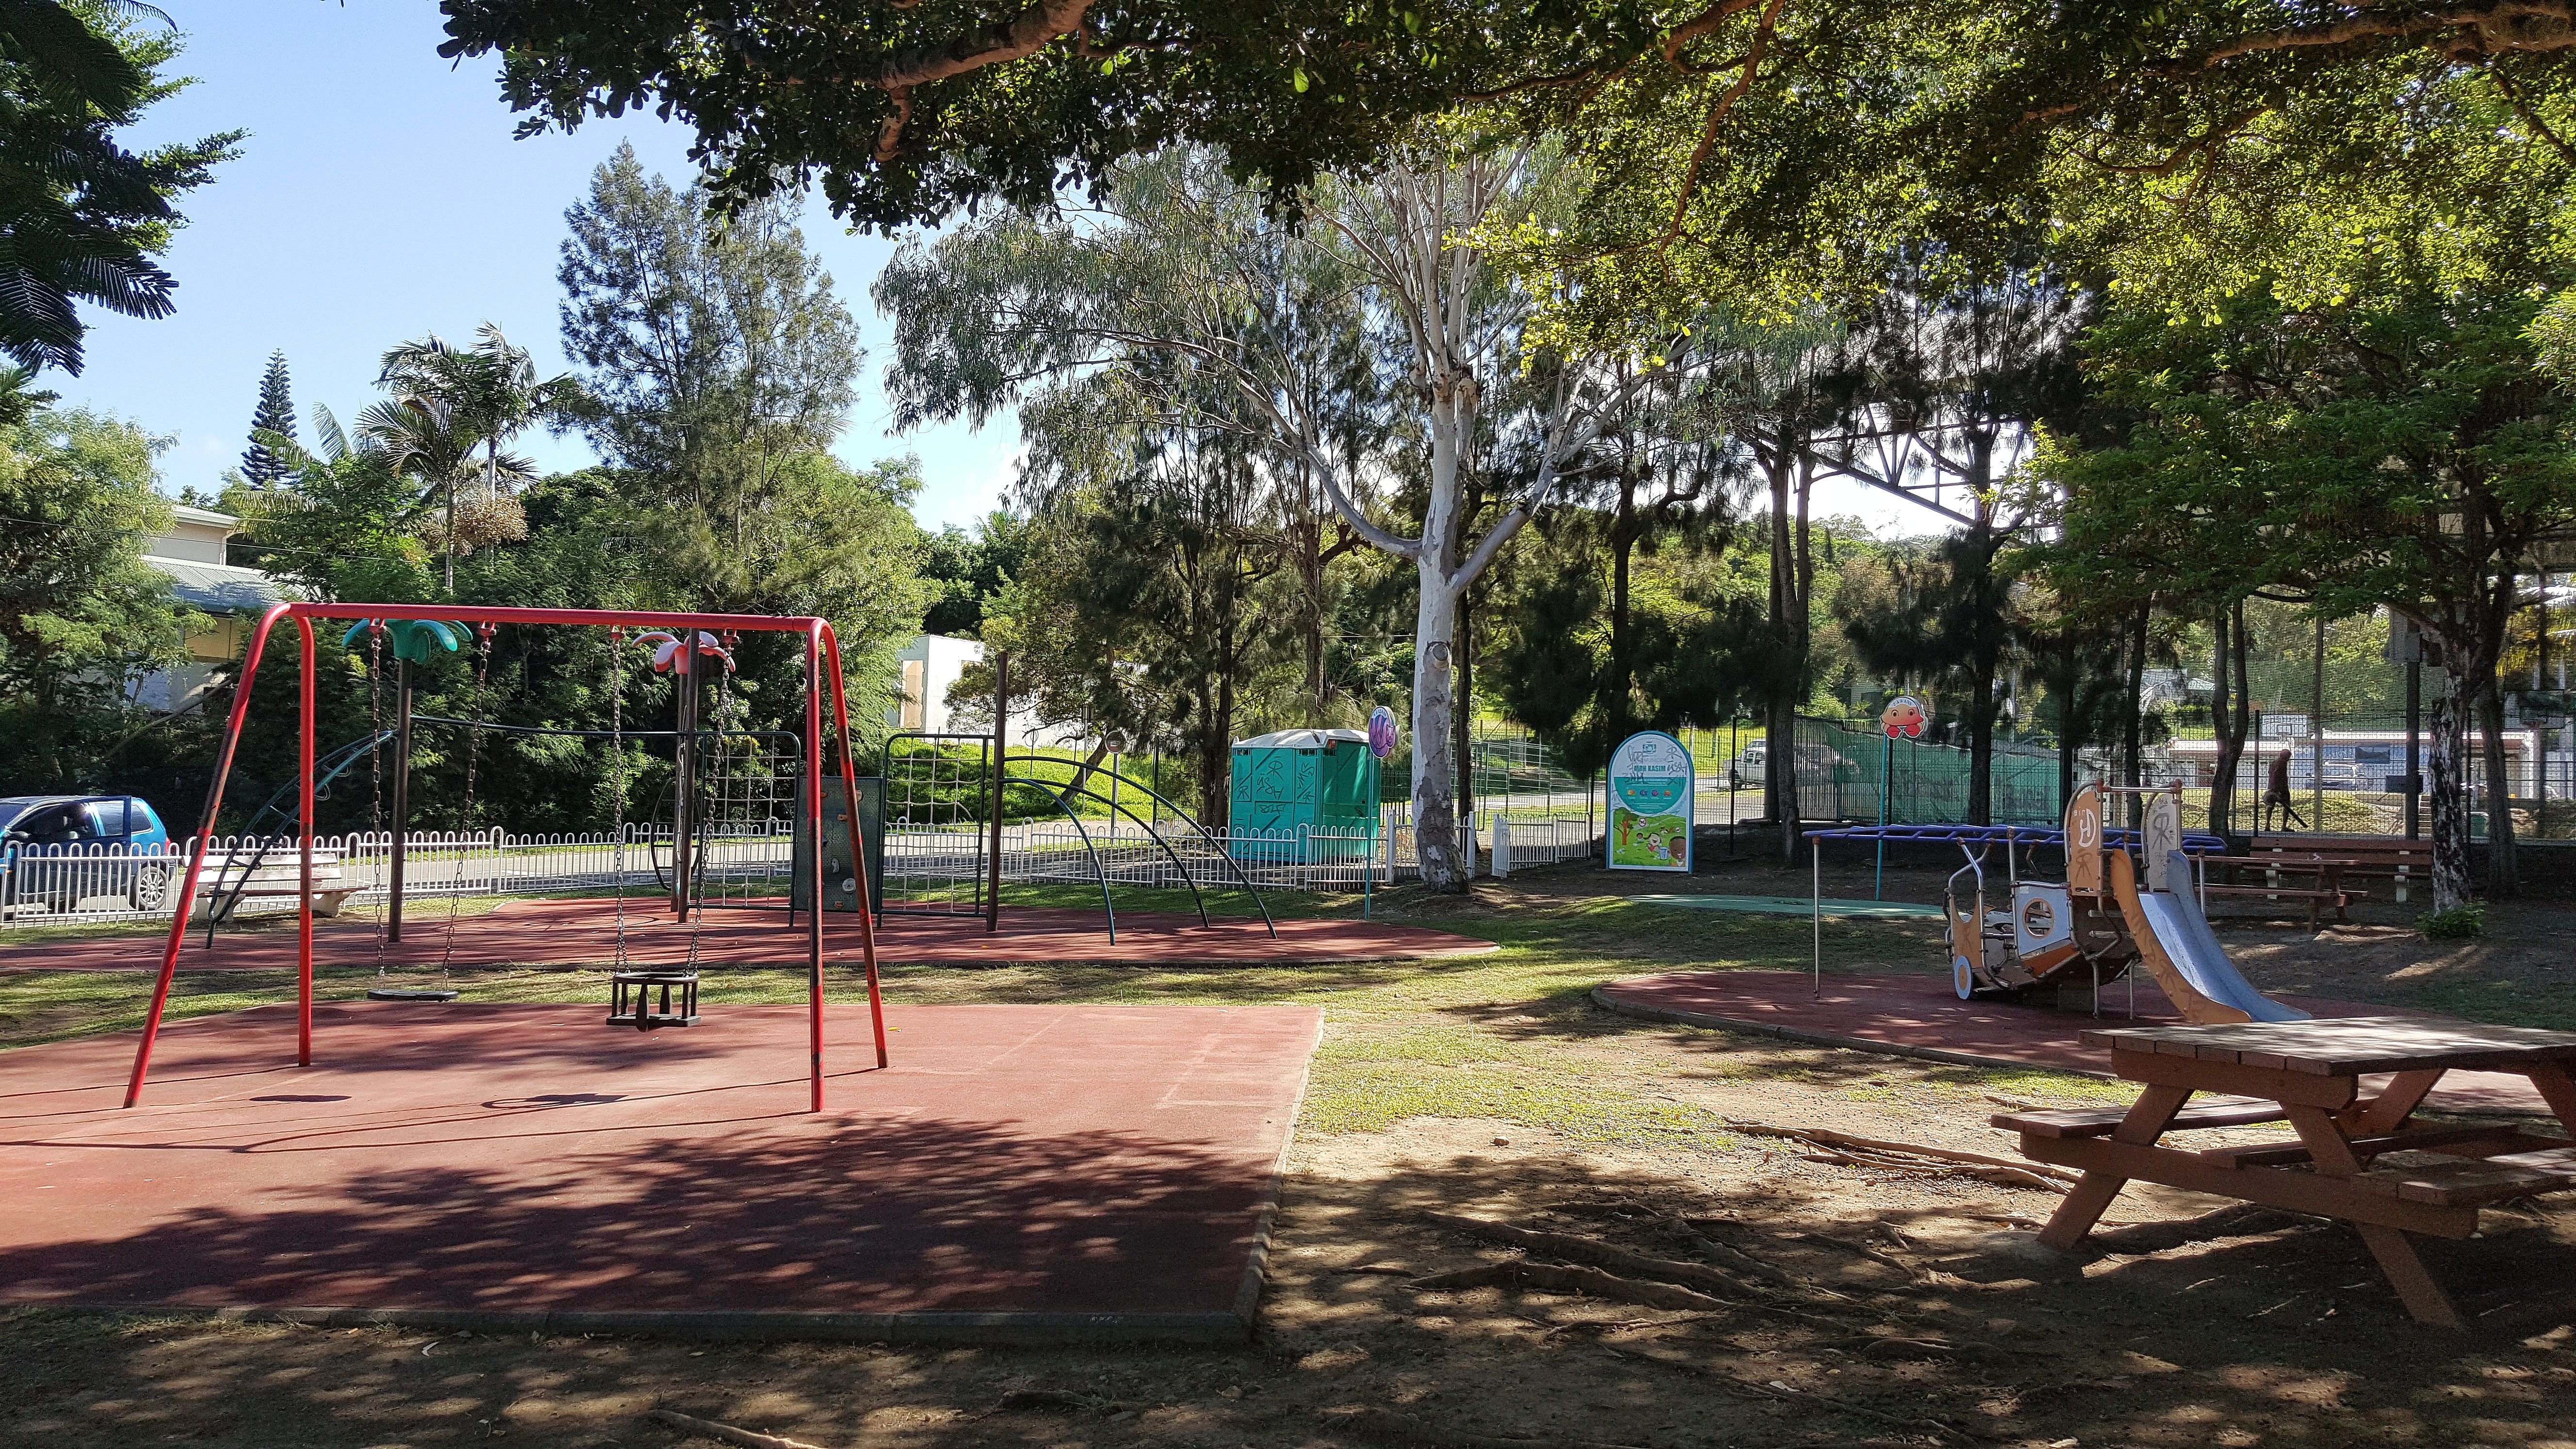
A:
{"points": [[151, 888]]}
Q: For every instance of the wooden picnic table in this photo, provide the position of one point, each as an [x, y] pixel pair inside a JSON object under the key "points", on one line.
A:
{"points": [[2325, 871], [2355, 1156]]}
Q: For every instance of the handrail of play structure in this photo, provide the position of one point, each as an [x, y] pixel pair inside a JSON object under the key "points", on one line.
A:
{"points": [[1192, 822], [822, 667], [1060, 791], [1099, 872]]}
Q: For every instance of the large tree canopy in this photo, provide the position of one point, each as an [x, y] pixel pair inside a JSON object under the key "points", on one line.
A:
{"points": [[1816, 128], [81, 217]]}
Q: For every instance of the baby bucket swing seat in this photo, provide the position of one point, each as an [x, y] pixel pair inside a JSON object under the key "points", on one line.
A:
{"points": [[643, 997]]}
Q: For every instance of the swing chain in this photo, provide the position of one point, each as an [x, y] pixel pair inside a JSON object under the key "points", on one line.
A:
{"points": [[473, 748], [697, 864], [617, 777], [376, 768]]}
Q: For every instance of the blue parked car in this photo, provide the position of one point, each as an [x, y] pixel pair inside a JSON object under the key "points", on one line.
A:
{"points": [[64, 849]]}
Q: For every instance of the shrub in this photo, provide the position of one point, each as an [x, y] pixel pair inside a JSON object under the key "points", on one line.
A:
{"points": [[2459, 923]]}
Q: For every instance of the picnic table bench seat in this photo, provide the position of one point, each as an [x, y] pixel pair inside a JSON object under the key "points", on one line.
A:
{"points": [[2447, 1181], [2364, 857], [2101, 1121]]}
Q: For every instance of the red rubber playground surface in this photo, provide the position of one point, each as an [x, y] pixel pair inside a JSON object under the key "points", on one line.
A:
{"points": [[584, 932], [1019, 1172], [1919, 1016]]}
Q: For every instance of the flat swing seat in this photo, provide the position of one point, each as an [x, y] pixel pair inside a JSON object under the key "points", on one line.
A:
{"points": [[632, 1003]]}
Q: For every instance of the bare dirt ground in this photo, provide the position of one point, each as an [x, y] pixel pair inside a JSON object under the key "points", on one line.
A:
{"points": [[1799, 1302]]}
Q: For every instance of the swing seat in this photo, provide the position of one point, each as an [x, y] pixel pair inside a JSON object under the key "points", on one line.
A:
{"points": [[413, 993], [631, 999]]}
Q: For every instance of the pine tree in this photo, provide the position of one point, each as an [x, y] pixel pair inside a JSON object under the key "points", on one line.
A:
{"points": [[276, 413]]}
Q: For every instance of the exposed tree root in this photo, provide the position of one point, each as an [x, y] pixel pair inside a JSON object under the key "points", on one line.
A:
{"points": [[1590, 1250], [1844, 1149], [2238, 1220], [726, 1433], [1386, 1426], [1723, 1379], [1590, 1282]]}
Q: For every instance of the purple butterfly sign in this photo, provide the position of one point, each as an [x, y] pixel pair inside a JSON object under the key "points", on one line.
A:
{"points": [[1381, 731]]}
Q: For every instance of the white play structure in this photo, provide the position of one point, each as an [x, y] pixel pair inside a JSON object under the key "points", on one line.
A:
{"points": [[2092, 928], [2174, 941]]}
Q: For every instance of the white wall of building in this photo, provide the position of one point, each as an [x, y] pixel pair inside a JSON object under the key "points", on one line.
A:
{"points": [[191, 555], [925, 671]]}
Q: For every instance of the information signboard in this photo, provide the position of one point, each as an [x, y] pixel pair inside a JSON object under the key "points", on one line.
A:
{"points": [[1651, 788]]}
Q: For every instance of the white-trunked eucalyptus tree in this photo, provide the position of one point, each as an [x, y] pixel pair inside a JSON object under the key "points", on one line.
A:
{"points": [[1176, 261]]}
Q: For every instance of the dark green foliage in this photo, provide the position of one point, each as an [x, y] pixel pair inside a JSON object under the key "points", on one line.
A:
{"points": [[966, 570], [81, 217], [2402, 449], [2459, 923], [1690, 653], [260, 467], [81, 614], [1925, 617]]}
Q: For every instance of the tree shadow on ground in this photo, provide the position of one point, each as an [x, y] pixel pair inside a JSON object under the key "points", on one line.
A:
{"points": [[1898, 1328]]}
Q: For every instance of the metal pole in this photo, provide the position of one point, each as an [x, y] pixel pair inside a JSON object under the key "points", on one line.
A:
{"points": [[684, 780], [402, 796], [304, 910], [1001, 743], [2317, 737], [2414, 749], [1368, 863], [1886, 779], [2539, 682], [197, 858], [814, 868], [1816, 923], [817, 629]]}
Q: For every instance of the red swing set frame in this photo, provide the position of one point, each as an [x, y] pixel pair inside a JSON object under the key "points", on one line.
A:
{"points": [[821, 648]]}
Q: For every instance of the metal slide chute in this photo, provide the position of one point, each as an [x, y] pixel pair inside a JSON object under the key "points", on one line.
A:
{"points": [[2174, 941]]}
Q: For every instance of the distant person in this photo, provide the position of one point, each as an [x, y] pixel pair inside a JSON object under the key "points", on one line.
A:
{"points": [[2276, 793]]}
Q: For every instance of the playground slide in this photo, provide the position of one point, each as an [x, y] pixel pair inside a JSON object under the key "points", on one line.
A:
{"points": [[2178, 949], [2195, 951]]}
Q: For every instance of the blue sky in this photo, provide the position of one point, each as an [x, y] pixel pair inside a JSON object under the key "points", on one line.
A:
{"points": [[380, 196]]}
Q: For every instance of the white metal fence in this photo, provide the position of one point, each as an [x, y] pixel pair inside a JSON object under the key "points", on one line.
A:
{"points": [[249, 877]]}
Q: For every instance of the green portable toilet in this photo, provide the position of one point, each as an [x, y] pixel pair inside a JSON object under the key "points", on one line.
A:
{"points": [[1290, 785]]}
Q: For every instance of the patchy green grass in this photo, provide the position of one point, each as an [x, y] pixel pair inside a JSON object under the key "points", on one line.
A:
{"points": [[1511, 1036], [2547, 1003]]}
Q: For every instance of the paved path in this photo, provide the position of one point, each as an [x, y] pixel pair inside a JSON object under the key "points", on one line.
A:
{"points": [[1050, 1172], [1920, 1016], [1792, 906], [585, 932]]}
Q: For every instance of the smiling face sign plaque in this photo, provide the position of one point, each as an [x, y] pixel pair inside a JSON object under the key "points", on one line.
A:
{"points": [[1650, 804]]}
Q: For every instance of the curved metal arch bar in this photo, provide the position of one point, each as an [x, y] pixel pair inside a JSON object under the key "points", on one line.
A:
{"points": [[340, 762], [1227, 856], [1097, 873], [1195, 898]]}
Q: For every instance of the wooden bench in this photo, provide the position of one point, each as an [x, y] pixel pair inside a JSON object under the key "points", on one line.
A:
{"points": [[280, 872], [2329, 891], [2364, 857]]}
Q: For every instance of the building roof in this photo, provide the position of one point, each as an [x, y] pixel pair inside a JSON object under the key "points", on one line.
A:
{"points": [[218, 588], [1301, 739], [189, 513]]}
